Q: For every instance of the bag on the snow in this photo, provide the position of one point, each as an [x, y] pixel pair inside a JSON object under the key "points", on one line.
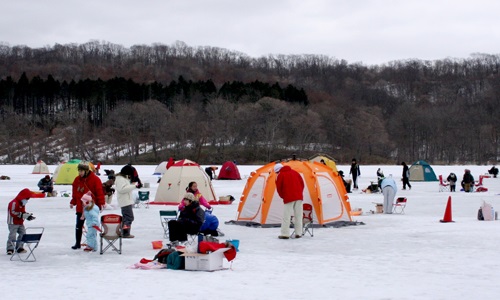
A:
{"points": [[175, 261], [162, 255]]}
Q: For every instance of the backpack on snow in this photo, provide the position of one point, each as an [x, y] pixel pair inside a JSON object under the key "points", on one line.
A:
{"points": [[162, 255], [175, 261]]}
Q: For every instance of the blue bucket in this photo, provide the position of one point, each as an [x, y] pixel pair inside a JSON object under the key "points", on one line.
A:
{"points": [[236, 244]]}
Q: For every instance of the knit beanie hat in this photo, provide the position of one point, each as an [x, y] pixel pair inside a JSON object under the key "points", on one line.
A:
{"points": [[127, 170]]}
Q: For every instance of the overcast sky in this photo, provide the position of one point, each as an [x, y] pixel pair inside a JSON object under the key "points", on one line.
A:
{"points": [[371, 32]]}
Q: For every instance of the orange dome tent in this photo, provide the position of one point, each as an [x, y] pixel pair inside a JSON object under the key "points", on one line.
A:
{"points": [[261, 205]]}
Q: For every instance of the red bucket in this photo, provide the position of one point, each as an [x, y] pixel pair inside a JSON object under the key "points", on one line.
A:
{"points": [[157, 244]]}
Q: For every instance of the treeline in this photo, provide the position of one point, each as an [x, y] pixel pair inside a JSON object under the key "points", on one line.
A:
{"points": [[214, 104]]}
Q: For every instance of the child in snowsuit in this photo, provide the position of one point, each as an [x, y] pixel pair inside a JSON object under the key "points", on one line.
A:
{"points": [[91, 216], [15, 219]]}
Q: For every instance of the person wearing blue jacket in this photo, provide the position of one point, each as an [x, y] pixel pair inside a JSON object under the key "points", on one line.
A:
{"points": [[91, 215], [389, 190], [210, 225]]}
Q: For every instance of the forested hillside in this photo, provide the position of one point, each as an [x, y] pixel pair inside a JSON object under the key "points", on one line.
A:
{"points": [[102, 101]]}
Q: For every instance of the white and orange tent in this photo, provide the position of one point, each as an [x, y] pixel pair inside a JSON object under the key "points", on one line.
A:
{"points": [[175, 180], [261, 205], [41, 168]]}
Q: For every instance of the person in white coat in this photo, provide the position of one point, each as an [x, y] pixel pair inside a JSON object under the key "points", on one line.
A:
{"points": [[389, 190], [124, 191]]}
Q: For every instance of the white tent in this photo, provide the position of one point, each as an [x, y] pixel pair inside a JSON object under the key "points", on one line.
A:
{"points": [[174, 182], [41, 168], [161, 168]]}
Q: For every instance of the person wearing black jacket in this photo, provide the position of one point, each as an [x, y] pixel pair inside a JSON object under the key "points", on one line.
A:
{"points": [[190, 219]]}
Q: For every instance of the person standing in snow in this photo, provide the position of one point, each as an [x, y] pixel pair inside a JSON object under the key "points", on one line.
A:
{"points": [[91, 217], [389, 189], [85, 181], [290, 187], [15, 220], [452, 179], [354, 172], [124, 187], [406, 176]]}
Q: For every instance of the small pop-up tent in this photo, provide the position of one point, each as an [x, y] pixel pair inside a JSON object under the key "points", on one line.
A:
{"points": [[422, 171], [329, 161], [174, 182], [40, 168], [229, 170], [161, 168], [261, 205], [67, 172]]}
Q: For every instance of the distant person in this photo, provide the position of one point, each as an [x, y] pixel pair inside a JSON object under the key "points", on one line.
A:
{"points": [[290, 187], [452, 179], [46, 185], [323, 161], [108, 189], [354, 171], [467, 181], [389, 190], [493, 171], [15, 220], [211, 172], [98, 168], [406, 176], [347, 182], [85, 181]]}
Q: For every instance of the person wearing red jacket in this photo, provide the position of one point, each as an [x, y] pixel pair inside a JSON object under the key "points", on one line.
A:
{"points": [[85, 181], [290, 187], [15, 219]]}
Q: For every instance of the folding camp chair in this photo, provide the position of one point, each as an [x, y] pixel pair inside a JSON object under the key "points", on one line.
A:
{"points": [[30, 239], [143, 199], [443, 185], [111, 226], [165, 216], [399, 206], [307, 220]]}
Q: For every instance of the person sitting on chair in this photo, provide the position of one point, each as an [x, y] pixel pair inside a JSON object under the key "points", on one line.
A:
{"points": [[46, 185], [190, 220]]}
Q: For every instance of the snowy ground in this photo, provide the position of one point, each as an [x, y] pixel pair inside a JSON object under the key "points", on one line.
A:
{"points": [[411, 256]]}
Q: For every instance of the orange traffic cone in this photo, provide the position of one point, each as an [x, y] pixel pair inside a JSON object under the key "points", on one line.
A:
{"points": [[447, 214]]}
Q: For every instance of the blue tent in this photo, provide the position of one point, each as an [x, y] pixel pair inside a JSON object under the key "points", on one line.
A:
{"points": [[422, 171]]}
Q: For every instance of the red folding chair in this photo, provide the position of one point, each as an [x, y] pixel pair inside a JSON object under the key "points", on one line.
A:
{"points": [[399, 206]]}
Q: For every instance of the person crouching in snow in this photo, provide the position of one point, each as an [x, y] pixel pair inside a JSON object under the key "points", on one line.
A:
{"points": [[15, 219], [91, 217]]}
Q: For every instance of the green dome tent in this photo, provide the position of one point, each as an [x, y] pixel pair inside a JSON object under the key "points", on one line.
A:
{"points": [[422, 171]]}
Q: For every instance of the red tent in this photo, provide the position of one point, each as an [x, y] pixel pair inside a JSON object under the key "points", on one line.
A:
{"points": [[229, 170]]}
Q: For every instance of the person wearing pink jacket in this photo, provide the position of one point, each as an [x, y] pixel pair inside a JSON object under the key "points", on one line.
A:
{"points": [[193, 188]]}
